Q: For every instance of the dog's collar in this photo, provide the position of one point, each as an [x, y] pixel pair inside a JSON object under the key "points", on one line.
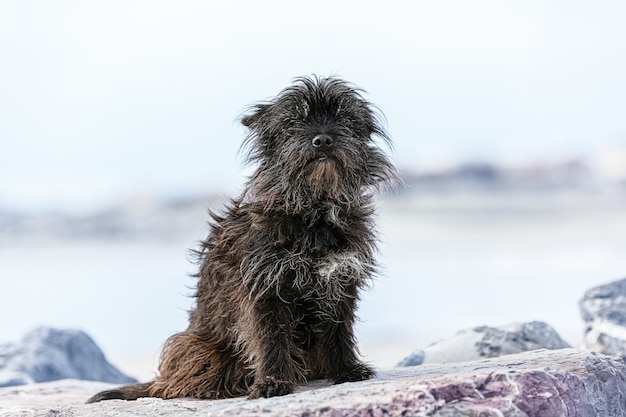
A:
{"points": [[255, 194]]}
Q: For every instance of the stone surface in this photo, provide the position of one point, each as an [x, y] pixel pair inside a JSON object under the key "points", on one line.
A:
{"points": [[604, 311], [541, 383], [47, 354], [488, 342]]}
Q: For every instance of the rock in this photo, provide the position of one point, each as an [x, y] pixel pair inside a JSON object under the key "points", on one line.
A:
{"points": [[48, 354], [9, 378], [488, 342], [604, 311], [550, 383]]}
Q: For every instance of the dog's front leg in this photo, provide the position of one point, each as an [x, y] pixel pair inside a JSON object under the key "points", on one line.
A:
{"points": [[339, 348], [277, 360]]}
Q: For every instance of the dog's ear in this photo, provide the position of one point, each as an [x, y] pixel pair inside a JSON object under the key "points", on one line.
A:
{"points": [[252, 119], [257, 140]]}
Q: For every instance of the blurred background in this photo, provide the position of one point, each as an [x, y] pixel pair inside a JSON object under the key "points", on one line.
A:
{"points": [[119, 129]]}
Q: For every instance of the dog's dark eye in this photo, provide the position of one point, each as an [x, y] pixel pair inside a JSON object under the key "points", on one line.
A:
{"points": [[345, 121], [353, 128]]}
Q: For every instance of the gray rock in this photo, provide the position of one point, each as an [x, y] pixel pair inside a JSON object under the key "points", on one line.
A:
{"points": [[47, 354], [10, 378], [488, 342], [414, 359], [604, 311], [541, 383]]}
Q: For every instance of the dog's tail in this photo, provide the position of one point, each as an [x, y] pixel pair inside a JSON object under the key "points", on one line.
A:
{"points": [[127, 392]]}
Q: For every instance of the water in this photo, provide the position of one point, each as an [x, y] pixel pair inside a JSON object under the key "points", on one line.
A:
{"points": [[450, 261], [457, 261]]}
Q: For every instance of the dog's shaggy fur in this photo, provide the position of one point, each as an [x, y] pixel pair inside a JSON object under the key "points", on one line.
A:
{"points": [[281, 270]]}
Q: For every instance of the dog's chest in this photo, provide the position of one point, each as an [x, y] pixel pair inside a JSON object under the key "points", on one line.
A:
{"points": [[323, 259], [312, 238], [340, 267], [333, 264], [325, 239]]}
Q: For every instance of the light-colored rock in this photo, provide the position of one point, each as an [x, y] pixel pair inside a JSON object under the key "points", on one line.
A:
{"points": [[488, 342], [47, 354], [550, 383], [604, 311]]}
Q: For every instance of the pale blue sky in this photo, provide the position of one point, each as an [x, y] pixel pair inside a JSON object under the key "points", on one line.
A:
{"points": [[99, 99]]}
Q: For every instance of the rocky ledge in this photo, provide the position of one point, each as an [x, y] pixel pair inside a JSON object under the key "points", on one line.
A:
{"points": [[564, 382]]}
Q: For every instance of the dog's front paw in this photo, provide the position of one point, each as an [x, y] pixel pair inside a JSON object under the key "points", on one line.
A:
{"points": [[359, 372], [270, 387]]}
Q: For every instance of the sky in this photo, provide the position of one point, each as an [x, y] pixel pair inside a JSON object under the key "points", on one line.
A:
{"points": [[101, 100]]}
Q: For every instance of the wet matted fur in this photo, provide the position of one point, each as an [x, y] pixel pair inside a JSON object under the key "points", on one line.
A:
{"points": [[281, 270]]}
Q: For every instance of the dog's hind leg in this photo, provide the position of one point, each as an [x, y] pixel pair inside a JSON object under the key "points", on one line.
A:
{"points": [[200, 366]]}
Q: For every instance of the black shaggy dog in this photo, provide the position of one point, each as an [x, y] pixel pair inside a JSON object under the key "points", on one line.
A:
{"points": [[281, 270]]}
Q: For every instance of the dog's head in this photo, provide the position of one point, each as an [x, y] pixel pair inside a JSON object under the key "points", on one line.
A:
{"points": [[319, 138]]}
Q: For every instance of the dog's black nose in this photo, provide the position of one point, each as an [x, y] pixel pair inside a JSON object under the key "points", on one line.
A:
{"points": [[323, 141]]}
